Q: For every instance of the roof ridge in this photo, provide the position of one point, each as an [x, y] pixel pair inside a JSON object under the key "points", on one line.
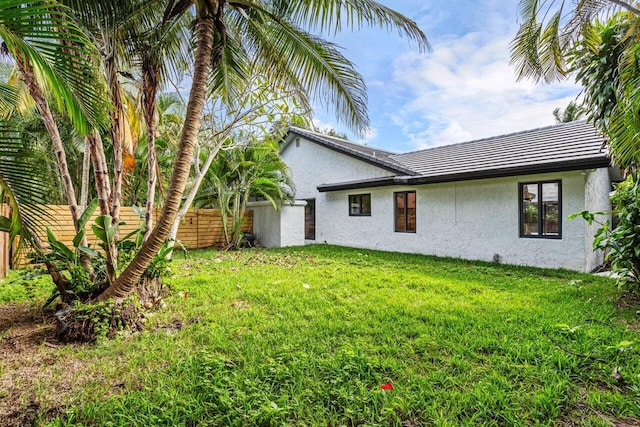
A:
{"points": [[342, 140], [522, 132], [384, 160]]}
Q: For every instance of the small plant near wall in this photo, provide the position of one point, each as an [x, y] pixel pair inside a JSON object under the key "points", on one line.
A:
{"points": [[622, 242]]}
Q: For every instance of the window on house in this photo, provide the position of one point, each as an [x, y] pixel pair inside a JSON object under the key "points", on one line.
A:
{"points": [[405, 211], [360, 205], [541, 209], [310, 220]]}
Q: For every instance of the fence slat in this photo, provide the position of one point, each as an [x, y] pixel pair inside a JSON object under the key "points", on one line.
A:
{"points": [[200, 228]]}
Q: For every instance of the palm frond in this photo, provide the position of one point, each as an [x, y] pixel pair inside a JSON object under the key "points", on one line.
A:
{"points": [[22, 183], [306, 63], [62, 57], [332, 15]]}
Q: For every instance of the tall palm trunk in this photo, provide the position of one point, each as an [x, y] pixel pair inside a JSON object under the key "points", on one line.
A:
{"points": [[207, 20], [173, 233], [149, 91], [118, 118], [84, 186], [101, 175], [50, 124]]}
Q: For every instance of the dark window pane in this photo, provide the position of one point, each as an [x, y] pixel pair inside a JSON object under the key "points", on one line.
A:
{"points": [[360, 204], [530, 210], [354, 205], [366, 204], [550, 209], [411, 211], [310, 219], [541, 209], [405, 211], [400, 211]]}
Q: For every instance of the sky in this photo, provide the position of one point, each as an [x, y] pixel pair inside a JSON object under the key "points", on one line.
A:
{"points": [[463, 89]]}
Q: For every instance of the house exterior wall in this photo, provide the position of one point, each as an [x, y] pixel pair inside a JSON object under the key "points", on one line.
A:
{"points": [[312, 164], [597, 188], [476, 219], [275, 229], [471, 220]]}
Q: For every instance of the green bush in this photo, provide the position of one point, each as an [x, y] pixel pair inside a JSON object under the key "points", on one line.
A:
{"points": [[622, 242]]}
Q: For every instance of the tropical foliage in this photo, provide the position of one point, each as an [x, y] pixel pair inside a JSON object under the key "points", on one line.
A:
{"points": [[244, 172], [75, 57], [622, 242], [599, 42], [571, 113], [557, 38]]}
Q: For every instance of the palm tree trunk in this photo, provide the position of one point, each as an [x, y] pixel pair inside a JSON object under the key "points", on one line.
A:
{"points": [[118, 118], [149, 92], [52, 128], [86, 165], [127, 281], [100, 172], [101, 175], [173, 233]]}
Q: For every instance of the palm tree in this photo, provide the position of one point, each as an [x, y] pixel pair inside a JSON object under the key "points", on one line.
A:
{"points": [[158, 52], [599, 42], [571, 113], [226, 34], [273, 32], [245, 171], [53, 56], [549, 30]]}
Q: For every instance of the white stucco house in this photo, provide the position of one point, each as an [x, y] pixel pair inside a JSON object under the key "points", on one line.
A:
{"points": [[503, 199]]}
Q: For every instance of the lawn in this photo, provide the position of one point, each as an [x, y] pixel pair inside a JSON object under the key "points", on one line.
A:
{"points": [[307, 336]]}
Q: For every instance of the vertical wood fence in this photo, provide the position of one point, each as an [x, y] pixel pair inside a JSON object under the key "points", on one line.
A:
{"points": [[200, 228]]}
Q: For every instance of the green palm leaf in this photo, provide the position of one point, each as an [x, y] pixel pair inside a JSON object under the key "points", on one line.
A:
{"points": [[22, 184], [43, 34]]}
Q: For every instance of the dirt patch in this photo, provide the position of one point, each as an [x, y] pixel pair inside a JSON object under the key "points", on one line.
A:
{"points": [[628, 300], [35, 374]]}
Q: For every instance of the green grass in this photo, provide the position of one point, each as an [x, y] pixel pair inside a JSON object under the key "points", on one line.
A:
{"points": [[306, 336]]}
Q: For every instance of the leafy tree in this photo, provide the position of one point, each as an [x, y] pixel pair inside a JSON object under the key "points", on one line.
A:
{"points": [[259, 104], [46, 36], [254, 170], [572, 113]]}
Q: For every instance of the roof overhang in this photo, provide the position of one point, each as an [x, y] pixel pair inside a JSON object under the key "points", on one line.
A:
{"points": [[564, 166], [375, 161]]}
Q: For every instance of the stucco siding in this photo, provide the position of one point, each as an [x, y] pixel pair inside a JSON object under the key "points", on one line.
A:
{"points": [[470, 220], [275, 229], [597, 188], [312, 165]]}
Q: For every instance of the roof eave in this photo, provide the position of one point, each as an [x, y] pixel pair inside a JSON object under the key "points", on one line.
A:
{"points": [[564, 166], [383, 164]]}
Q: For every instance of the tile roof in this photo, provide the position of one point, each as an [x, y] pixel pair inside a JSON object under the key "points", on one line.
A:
{"points": [[372, 155], [567, 143], [562, 147]]}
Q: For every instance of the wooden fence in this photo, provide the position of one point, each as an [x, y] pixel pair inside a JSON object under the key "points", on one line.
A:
{"points": [[200, 228]]}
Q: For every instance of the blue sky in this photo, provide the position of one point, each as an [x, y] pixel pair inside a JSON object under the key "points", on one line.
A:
{"points": [[463, 89]]}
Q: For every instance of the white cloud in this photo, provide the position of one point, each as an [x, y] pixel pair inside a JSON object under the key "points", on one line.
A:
{"points": [[466, 90]]}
